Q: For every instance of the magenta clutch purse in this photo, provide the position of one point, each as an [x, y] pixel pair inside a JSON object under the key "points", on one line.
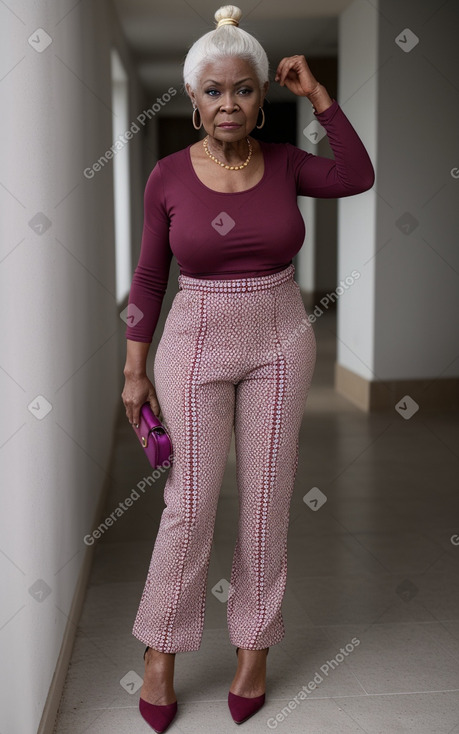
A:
{"points": [[153, 437]]}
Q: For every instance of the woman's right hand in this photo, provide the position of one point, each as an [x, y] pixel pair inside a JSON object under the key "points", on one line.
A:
{"points": [[137, 391]]}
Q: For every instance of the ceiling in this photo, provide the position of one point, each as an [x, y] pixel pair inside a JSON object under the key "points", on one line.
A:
{"points": [[159, 33]]}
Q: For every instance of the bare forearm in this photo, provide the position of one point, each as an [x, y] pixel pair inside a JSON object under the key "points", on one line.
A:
{"points": [[136, 358], [320, 99]]}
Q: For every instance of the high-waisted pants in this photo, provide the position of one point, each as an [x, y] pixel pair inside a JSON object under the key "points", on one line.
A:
{"points": [[234, 353]]}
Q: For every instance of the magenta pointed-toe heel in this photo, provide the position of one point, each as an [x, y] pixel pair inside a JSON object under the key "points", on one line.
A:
{"points": [[241, 707], [158, 717]]}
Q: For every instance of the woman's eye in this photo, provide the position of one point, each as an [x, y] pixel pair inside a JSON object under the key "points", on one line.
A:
{"points": [[214, 92]]}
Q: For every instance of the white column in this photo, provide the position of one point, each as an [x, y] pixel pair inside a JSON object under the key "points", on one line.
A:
{"points": [[356, 214], [398, 322], [305, 262]]}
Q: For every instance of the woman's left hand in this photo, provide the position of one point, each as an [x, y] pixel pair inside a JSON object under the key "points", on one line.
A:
{"points": [[295, 74]]}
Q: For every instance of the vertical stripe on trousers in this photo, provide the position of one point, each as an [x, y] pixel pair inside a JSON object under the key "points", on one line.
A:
{"points": [[238, 355]]}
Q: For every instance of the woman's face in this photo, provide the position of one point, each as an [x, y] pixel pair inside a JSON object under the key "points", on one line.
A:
{"points": [[228, 91]]}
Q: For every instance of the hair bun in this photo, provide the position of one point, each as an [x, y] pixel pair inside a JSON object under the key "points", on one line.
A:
{"points": [[228, 12]]}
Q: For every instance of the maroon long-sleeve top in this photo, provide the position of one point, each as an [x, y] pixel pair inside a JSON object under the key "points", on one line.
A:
{"points": [[233, 235]]}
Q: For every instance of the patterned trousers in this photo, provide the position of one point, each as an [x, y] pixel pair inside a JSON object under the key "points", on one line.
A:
{"points": [[234, 354]]}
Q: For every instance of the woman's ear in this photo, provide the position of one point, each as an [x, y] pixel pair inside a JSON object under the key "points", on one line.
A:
{"points": [[264, 91], [190, 93]]}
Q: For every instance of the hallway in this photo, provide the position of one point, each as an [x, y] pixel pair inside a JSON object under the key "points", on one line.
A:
{"points": [[93, 96], [372, 601]]}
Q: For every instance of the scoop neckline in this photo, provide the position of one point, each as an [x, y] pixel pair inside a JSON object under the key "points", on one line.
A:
{"points": [[229, 193]]}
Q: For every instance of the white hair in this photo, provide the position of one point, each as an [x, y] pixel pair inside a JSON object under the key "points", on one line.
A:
{"points": [[228, 40]]}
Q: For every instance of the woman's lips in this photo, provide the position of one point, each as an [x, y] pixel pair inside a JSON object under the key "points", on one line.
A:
{"points": [[229, 124]]}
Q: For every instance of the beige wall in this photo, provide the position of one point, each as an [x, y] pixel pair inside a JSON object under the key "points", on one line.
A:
{"points": [[61, 339]]}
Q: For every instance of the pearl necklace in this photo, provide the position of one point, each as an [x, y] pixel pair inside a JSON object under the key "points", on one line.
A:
{"points": [[223, 165]]}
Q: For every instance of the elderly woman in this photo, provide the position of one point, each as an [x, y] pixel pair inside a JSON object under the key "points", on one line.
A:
{"points": [[237, 351]]}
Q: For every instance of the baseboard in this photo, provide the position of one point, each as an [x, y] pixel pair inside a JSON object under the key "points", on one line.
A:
{"points": [[433, 394], [48, 719], [49, 715]]}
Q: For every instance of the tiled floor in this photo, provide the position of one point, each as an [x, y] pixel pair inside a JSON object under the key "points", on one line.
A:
{"points": [[372, 571]]}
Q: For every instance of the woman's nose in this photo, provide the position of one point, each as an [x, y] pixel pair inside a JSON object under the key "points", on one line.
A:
{"points": [[228, 103]]}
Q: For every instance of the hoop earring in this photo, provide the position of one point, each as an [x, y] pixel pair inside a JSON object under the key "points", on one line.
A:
{"points": [[263, 113], [196, 127]]}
